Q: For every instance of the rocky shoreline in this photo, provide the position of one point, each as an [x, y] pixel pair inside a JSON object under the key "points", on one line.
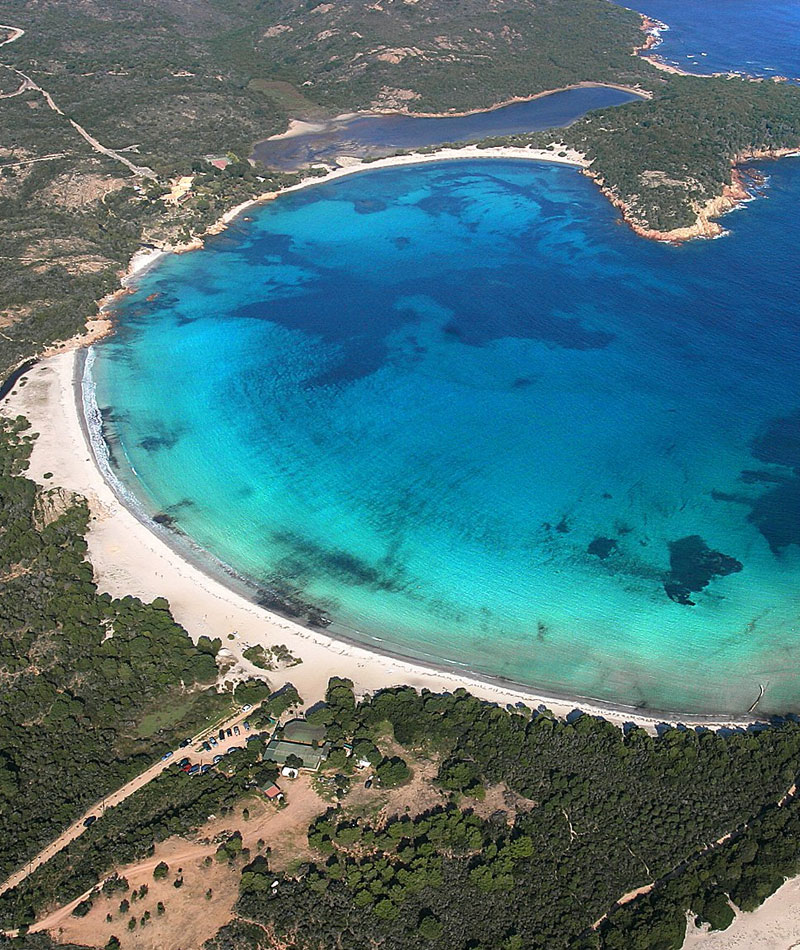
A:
{"points": [[706, 224]]}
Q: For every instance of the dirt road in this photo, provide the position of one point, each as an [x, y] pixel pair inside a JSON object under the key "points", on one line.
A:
{"points": [[30, 84], [77, 828]]}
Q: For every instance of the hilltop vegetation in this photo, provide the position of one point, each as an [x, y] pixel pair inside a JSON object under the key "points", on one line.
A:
{"points": [[170, 85], [431, 56], [668, 157]]}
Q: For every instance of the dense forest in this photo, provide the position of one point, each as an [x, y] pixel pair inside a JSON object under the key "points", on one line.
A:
{"points": [[602, 812], [93, 689]]}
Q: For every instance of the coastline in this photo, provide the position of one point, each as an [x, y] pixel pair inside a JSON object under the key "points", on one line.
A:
{"points": [[560, 155], [130, 557], [706, 224], [404, 110]]}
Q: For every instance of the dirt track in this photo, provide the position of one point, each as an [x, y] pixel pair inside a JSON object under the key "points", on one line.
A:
{"points": [[77, 828]]}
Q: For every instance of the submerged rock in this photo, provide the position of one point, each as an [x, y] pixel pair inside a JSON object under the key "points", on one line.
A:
{"points": [[602, 547]]}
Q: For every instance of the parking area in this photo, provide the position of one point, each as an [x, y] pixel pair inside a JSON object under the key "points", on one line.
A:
{"points": [[203, 754]]}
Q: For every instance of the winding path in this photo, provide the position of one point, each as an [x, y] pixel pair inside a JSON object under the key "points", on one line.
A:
{"points": [[30, 84]]}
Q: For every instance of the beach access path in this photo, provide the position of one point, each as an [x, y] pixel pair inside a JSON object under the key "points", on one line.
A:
{"points": [[78, 827]]}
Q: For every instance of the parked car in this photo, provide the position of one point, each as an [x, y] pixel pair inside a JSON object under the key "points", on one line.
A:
{"points": [[213, 741], [88, 822], [251, 739], [228, 733], [221, 734], [368, 783], [194, 770], [183, 762], [246, 724], [187, 767], [217, 758], [166, 755], [185, 743], [206, 747], [247, 707], [205, 768], [234, 748], [236, 731]]}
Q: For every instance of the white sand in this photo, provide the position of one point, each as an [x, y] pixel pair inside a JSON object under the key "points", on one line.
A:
{"points": [[298, 127], [349, 165], [775, 925], [129, 558]]}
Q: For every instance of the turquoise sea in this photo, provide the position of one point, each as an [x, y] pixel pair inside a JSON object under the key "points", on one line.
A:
{"points": [[468, 416]]}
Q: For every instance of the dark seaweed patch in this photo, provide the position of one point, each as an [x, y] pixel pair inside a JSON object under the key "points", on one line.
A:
{"points": [[369, 205], [776, 514], [153, 443], [288, 603], [308, 558], [780, 443], [443, 204], [401, 242], [563, 526], [451, 328], [753, 477], [541, 631], [602, 547], [693, 565]]}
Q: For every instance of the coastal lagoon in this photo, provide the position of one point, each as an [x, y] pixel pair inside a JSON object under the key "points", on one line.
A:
{"points": [[378, 135], [460, 411]]}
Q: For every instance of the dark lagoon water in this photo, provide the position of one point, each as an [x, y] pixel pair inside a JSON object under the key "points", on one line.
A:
{"points": [[472, 418], [376, 135], [757, 37]]}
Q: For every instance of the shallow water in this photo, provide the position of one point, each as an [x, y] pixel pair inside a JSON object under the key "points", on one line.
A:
{"points": [[757, 37], [462, 410], [375, 135]]}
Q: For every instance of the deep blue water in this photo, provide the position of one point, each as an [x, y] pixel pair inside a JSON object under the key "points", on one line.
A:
{"points": [[384, 134], [757, 37], [461, 409]]}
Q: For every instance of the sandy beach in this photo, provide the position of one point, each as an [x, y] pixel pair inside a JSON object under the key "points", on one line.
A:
{"points": [[775, 925], [559, 154], [130, 558]]}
